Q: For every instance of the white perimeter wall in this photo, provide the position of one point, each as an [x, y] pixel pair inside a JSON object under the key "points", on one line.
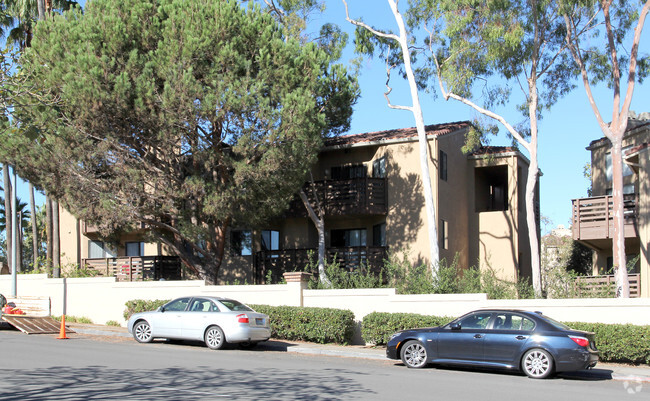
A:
{"points": [[103, 299]]}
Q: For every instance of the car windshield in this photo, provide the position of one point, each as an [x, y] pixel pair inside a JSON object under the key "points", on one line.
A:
{"points": [[556, 324], [235, 305]]}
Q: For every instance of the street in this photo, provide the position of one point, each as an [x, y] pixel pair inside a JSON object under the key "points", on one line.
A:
{"points": [[40, 367]]}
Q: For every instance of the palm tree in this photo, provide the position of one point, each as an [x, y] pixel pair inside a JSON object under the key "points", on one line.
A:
{"points": [[18, 18]]}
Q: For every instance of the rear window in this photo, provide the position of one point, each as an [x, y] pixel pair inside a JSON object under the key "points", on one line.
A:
{"points": [[555, 323], [235, 306]]}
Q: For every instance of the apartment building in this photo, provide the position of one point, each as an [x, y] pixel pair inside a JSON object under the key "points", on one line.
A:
{"points": [[593, 216], [370, 188]]}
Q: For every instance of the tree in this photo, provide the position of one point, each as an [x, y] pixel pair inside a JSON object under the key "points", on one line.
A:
{"points": [[8, 226], [602, 62], [397, 49], [24, 217], [190, 117]]}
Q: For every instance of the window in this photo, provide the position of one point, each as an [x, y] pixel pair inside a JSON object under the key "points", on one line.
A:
{"points": [[348, 238], [270, 240], [608, 165], [444, 234], [177, 305], [349, 172], [203, 305], [491, 188], [99, 249], [508, 321], [379, 168], [134, 249], [474, 321], [443, 165], [379, 234], [241, 243]]}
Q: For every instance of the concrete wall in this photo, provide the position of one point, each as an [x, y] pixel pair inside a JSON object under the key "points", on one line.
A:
{"points": [[103, 299]]}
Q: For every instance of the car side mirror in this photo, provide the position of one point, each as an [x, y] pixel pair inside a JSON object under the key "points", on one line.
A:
{"points": [[161, 309], [455, 326]]}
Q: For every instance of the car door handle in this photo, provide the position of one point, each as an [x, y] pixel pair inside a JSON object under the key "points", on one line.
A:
{"points": [[521, 337], [478, 336]]}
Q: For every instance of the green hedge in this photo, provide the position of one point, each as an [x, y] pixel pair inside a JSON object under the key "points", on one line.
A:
{"points": [[142, 305], [319, 325], [619, 342], [377, 327]]}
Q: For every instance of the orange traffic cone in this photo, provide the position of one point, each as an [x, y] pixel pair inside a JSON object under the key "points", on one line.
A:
{"points": [[62, 335]]}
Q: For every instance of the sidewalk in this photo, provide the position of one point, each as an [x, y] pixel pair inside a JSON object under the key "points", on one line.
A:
{"points": [[603, 371]]}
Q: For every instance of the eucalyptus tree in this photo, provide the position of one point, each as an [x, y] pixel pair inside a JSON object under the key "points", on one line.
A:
{"points": [[395, 49], [604, 38], [190, 117]]}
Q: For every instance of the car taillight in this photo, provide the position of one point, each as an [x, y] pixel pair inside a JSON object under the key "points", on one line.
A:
{"points": [[242, 318], [581, 341]]}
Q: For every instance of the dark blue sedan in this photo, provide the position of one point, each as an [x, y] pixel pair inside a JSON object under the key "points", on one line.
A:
{"points": [[510, 339]]}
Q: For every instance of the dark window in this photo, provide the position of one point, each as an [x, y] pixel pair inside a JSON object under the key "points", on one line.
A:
{"points": [[349, 172], [379, 168], [203, 305], [348, 238], [443, 165], [270, 240], [134, 249], [509, 321], [491, 188], [177, 305], [444, 234], [379, 234], [241, 243]]}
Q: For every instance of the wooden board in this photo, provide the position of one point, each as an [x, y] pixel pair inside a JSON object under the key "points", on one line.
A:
{"points": [[34, 324]]}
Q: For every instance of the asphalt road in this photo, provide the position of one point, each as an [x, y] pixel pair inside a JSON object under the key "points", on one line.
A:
{"points": [[40, 367]]}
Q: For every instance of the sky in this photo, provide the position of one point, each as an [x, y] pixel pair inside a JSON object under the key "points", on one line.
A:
{"points": [[564, 131]]}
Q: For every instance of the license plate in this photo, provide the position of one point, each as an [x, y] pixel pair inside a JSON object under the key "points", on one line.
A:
{"points": [[259, 321]]}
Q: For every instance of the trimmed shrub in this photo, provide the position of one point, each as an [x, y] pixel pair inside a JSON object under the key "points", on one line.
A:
{"points": [[619, 342], [319, 325], [142, 305], [377, 327]]}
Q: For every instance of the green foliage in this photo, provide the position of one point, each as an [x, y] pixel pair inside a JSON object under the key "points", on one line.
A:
{"points": [[209, 106], [377, 327], [142, 305], [625, 343], [113, 323], [339, 278], [74, 319], [319, 325]]}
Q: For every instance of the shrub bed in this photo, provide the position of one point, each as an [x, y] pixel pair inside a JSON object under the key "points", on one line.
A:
{"points": [[319, 325], [142, 305], [625, 343], [377, 327]]}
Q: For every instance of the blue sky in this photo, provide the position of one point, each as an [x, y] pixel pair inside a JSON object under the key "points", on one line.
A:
{"points": [[564, 132]]}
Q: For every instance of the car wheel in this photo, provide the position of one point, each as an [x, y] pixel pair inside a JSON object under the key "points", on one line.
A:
{"points": [[248, 344], [214, 337], [142, 332], [537, 364], [414, 354]]}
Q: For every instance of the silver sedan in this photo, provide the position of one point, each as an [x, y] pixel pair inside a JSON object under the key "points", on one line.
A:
{"points": [[214, 320]]}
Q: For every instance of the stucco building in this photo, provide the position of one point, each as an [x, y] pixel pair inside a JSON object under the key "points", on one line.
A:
{"points": [[371, 190], [592, 217]]}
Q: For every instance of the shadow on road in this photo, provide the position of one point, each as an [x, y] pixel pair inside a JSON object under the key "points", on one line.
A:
{"points": [[200, 383]]}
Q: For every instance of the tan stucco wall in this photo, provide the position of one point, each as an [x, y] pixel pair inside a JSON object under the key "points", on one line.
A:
{"points": [[644, 220]]}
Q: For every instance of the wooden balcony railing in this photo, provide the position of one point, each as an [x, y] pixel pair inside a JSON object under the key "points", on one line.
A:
{"points": [[361, 196], [287, 260], [137, 268], [593, 218], [605, 286]]}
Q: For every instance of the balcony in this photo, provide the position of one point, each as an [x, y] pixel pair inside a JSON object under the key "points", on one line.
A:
{"points": [[605, 286], [357, 196], [288, 260], [593, 218], [136, 268]]}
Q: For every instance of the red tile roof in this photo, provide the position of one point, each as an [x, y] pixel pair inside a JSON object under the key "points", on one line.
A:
{"points": [[401, 133]]}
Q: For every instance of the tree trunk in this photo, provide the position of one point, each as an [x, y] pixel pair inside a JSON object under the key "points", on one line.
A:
{"points": [[48, 229], [19, 244], [56, 246], [8, 213], [32, 207], [531, 185], [319, 222], [618, 240]]}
